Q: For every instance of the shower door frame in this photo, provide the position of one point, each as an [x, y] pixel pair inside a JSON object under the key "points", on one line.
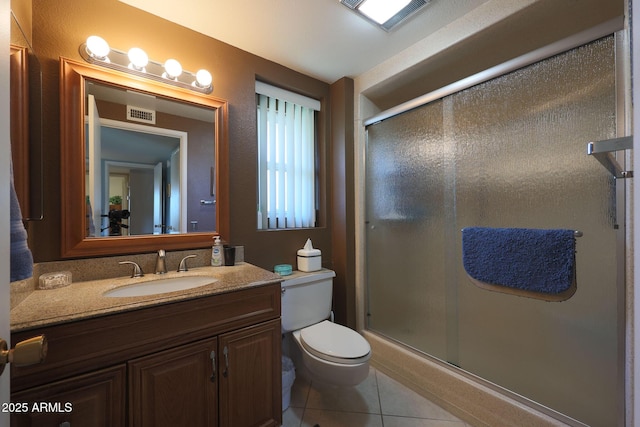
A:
{"points": [[624, 269]]}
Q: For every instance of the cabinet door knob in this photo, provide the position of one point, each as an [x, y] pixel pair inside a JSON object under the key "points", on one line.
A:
{"points": [[212, 355], [27, 352], [226, 361]]}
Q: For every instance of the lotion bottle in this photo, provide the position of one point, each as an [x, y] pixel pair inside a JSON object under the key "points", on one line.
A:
{"points": [[217, 252]]}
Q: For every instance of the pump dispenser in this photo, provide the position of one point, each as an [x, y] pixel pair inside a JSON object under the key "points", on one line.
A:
{"points": [[217, 252]]}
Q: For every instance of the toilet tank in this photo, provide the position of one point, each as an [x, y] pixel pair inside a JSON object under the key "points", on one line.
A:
{"points": [[306, 298]]}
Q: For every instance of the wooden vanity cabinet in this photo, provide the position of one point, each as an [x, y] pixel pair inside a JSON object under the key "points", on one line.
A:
{"points": [[176, 387], [210, 361], [96, 399], [249, 373], [233, 378]]}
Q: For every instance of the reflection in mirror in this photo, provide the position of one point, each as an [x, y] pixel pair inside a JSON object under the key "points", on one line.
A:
{"points": [[143, 164], [148, 163]]}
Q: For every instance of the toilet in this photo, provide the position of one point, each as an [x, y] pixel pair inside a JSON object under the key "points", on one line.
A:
{"points": [[323, 350]]}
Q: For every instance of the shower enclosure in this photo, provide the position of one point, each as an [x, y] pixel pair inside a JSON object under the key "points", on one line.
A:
{"points": [[509, 152]]}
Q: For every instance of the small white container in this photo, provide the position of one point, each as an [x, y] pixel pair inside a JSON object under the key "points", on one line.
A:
{"points": [[309, 260]]}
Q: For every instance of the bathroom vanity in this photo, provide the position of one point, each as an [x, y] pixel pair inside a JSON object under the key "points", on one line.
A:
{"points": [[208, 356]]}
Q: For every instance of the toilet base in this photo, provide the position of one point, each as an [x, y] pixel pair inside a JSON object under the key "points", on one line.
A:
{"points": [[323, 371]]}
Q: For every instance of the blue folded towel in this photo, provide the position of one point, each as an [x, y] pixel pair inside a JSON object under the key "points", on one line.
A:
{"points": [[528, 259], [21, 258]]}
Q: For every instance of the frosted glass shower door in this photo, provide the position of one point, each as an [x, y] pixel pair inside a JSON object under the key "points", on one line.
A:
{"points": [[510, 152], [520, 161], [405, 230]]}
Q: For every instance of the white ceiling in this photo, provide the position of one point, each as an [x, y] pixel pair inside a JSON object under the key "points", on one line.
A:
{"points": [[320, 38]]}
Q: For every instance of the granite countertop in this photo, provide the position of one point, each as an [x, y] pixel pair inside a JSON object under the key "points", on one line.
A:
{"points": [[84, 300]]}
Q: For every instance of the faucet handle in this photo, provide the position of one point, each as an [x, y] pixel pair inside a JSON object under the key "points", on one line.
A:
{"points": [[137, 271], [183, 263]]}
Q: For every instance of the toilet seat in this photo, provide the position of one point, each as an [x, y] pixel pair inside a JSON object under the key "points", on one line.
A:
{"points": [[336, 343]]}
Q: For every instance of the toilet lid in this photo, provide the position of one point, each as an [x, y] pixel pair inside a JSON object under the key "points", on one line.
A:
{"points": [[334, 342]]}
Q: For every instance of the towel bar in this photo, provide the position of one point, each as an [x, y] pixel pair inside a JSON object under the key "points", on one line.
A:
{"points": [[576, 233], [601, 150]]}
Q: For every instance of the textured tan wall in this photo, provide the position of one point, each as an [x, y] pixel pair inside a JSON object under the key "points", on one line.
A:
{"points": [[21, 24]]}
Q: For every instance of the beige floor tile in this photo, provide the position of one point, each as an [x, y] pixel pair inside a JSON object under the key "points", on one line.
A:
{"points": [[379, 401], [299, 392], [398, 400], [361, 398], [323, 418]]}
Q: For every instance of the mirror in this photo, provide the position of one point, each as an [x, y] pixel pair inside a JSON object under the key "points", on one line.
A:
{"points": [[149, 164], [143, 164]]}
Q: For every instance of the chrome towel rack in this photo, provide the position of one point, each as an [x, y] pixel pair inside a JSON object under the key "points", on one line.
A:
{"points": [[602, 150], [576, 233]]}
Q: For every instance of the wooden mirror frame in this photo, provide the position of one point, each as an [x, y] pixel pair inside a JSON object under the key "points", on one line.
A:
{"points": [[19, 104], [74, 243]]}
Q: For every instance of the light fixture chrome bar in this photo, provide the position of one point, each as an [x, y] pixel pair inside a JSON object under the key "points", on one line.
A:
{"points": [[119, 60], [602, 150]]}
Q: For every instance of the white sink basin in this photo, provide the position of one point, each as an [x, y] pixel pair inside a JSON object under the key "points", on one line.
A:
{"points": [[160, 286]]}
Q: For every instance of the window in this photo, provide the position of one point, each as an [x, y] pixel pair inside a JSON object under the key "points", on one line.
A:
{"points": [[286, 158]]}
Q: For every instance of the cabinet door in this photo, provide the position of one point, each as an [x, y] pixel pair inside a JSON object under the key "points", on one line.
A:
{"points": [[96, 399], [251, 377], [176, 387]]}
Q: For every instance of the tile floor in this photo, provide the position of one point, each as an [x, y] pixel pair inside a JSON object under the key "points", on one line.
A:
{"points": [[379, 401]]}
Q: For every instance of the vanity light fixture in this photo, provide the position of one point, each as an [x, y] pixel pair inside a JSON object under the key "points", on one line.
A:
{"points": [[386, 14], [97, 51], [203, 78], [172, 68], [139, 59], [98, 48]]}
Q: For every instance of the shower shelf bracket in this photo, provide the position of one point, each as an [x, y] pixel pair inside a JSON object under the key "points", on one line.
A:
{"points": [[602, 151]]}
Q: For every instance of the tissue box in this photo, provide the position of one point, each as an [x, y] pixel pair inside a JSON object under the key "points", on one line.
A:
{"points": [[309, 260]]}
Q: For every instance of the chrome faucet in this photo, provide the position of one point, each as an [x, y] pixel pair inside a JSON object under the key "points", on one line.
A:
{"points": [[137, 271], [161, 266], [183, 264]]}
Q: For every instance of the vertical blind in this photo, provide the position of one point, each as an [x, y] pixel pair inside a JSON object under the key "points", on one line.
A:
{"points": [[286, 159]]}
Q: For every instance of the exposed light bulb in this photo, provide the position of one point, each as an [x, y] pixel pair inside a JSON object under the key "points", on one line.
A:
{"points": [[203, 78], [138, 58], [172, 69], [98, 47]]}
